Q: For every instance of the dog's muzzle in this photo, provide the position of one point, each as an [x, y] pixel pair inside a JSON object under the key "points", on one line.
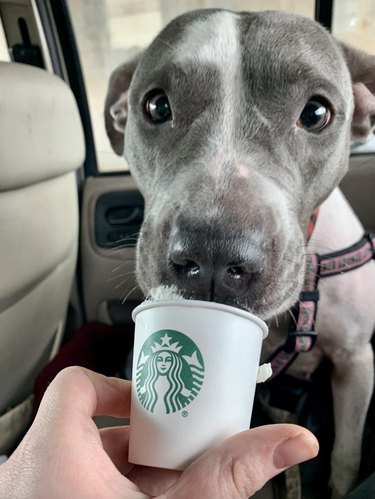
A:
{"points": [[213, 263]]}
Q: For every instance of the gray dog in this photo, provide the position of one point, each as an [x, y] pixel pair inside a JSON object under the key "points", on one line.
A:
{"points": [[236, 127]]}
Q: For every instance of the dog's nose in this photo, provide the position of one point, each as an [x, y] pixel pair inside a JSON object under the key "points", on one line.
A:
{"points": [[210, 266]]}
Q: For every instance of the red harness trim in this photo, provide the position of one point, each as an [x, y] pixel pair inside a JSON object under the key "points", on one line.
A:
{"points": [[312, 223], [301, 334]]}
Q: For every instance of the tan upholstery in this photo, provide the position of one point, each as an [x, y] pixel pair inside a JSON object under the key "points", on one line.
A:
{"points": [[41, 146]]}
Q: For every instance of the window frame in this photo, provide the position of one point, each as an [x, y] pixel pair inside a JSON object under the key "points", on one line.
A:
{"points": [[61, 41]]}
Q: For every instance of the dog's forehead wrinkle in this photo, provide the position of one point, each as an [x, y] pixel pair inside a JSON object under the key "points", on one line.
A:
{"points": [[267, 124], [274, 34], [290, 49]]}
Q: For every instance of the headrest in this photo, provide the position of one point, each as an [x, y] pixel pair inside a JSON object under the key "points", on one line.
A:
{"points": [[41, 134]]}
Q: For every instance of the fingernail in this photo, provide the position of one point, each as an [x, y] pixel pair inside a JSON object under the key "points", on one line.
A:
{"points": [[295, 450]]}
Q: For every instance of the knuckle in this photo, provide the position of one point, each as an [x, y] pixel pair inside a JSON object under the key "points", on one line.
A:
{"points": [[244, 477]]}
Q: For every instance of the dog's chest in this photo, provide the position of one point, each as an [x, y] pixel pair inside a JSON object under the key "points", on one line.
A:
{"points": [[344, 315]]}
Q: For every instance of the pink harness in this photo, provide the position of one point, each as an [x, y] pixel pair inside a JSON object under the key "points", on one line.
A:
{"points": [[301, 333]]}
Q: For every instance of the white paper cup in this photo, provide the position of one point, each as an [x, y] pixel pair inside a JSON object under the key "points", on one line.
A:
{"points": [[194, 374]]}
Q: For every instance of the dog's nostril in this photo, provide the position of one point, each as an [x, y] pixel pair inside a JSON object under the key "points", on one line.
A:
{"points": [[191, 268], [236, 272], [243, 272], [184, 267]]}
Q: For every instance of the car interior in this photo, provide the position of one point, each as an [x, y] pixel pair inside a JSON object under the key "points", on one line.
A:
{"points": [[68, 224]]}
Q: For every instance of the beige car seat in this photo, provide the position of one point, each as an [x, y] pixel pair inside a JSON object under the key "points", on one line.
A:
{"points": [[41, 147]]}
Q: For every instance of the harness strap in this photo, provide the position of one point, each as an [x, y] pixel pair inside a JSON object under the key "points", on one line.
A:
{"points": [[301, 333], [348, 259]]}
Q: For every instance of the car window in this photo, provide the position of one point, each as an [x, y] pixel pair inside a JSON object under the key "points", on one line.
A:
{"points": [[109, 32], [4, 54], [354, 23]]}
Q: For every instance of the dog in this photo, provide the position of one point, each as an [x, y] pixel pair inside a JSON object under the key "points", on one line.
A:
{"points": [[236, 128]]}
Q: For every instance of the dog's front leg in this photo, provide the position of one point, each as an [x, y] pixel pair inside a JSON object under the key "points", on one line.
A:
{"points": [[352, 385]]}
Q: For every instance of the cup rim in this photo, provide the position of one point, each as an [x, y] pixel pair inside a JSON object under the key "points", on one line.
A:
{"points": [[201, 304]]}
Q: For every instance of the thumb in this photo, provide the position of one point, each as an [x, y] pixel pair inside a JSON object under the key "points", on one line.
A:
{"points": [[241, 465]]}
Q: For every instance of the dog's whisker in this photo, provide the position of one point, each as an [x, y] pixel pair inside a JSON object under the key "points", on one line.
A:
{"points": [[292, 316], [123, 249], [125, 241], [293, 262], [127, 261], [320, 245], [346, 265], [118, 276], [120, 283], [343, 263], [123, 252], [289, 260], [124, 259], [130, 292], [165, 43], [129, 237], [315, 243], [133, 235]]}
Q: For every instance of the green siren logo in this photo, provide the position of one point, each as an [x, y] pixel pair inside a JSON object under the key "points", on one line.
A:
{"points": [[170, 372]]}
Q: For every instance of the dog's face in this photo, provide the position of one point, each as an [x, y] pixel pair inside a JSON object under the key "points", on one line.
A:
{"points": [[237, 128]]}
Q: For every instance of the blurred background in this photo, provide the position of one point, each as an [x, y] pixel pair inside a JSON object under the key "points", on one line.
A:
{"points": [[110, 32]]}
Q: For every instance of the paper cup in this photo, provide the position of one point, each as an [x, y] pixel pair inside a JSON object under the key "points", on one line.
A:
{"points": [[194, 374]]}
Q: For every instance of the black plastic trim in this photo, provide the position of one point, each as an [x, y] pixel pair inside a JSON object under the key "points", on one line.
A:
{"points": [[324, 13], [50, 37], [69, 49], [118, 218], [115, 173]]}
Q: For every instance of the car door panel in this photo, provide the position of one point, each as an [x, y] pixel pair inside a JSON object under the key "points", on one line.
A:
{"points": [[112, 212]]}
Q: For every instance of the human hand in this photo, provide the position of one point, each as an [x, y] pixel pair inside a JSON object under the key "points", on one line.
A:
{"points": [[64, 455]]}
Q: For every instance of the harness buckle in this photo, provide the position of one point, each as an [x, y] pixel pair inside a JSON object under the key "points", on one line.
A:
{"points": [[312, 295], [302, 335], [300, 341]]}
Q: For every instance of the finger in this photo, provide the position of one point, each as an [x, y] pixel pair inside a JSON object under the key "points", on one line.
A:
{"points": [[115, 442], [244, 463], [78, 392], [153, 481]]}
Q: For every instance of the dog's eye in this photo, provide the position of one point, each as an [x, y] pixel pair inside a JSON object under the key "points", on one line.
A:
{"points": [[315, 116], [157, 107]]}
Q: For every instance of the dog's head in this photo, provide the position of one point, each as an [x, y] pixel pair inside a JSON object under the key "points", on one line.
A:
{"points": [[236, 126]]}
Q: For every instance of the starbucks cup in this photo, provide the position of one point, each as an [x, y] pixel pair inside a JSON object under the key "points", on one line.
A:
{"points": [[194, 373]]}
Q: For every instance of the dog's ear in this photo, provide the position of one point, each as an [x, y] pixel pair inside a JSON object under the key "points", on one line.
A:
{"points": [[116, 104], [362, 69]]}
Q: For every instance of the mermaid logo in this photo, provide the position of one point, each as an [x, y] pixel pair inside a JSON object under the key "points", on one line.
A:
{"points": [[170, 372]]}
